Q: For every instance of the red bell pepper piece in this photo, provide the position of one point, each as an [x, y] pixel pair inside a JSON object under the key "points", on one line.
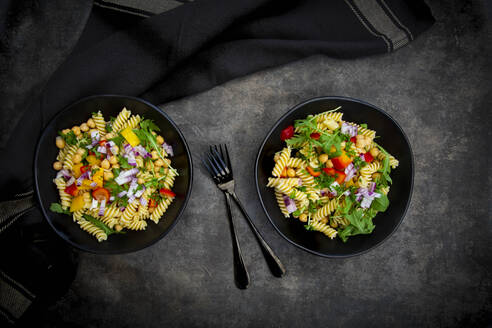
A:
{"points": [[72, 189], [287, 133], [368, 157], [85, 168], [340, 177], [315, 135], [167, 193], [313, 172], [353, 139], [341, 162], [329, 171], [152, 203]]}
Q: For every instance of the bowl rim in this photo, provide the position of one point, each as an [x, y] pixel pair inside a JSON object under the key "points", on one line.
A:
{"points": [[181, 210], [281, 120]]}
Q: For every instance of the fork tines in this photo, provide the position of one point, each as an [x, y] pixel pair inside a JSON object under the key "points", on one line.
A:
{"points": [[218, 163]]}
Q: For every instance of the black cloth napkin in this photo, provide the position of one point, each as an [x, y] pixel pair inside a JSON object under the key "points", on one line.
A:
{"points": [[48, 60]]}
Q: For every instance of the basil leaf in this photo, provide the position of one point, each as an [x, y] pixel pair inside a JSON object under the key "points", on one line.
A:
{"points": [[57, 208], [380, 204]]}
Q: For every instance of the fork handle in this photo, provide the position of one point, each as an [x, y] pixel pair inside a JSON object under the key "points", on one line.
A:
{"points": [[241, 275], [276, 267]]}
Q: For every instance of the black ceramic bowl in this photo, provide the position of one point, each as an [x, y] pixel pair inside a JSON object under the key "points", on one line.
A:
{"points": [[46, 152], [392, 138]]}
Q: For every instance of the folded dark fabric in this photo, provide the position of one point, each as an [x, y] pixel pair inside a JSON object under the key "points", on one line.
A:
{"points": [[199, 45]]}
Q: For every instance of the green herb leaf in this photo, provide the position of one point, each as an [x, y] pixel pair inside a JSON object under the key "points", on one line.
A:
{"points": [[380, 204], [149, 125], [57, 208], [309, 227], [359, 224], [70, 137], [123, 161], [101, 225], [118, 140]]}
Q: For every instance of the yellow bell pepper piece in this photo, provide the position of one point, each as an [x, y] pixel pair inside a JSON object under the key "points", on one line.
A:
{"points": [[86, 185], [130, 136], [77, 203], [93, 160], [98, 177], [76, 169]]}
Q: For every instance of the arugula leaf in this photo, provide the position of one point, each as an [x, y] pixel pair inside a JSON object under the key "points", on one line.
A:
{"points": [[149, 125], [296, 212], [359, 224], [109, 127], [296, 141], [380, 204], [363, 125], [302, 188], [107, 230], [70, 137], [292, 195], [57, 208], [141, 136]]}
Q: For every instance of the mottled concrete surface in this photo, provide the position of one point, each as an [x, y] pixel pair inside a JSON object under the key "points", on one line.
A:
{"points": [[434, 271]]}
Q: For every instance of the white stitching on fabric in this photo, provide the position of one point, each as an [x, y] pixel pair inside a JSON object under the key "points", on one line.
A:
{"points": [[398, 20]]}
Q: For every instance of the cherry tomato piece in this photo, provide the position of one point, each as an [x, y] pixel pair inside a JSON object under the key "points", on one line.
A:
{"points": [[100, 193], [287, 133]]}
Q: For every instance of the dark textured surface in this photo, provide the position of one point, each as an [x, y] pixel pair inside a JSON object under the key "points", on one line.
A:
{"points": [[434, 271]]}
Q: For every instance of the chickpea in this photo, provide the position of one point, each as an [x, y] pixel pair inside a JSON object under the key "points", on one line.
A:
{"points": [[374, 152], [276, 157], [323, 158], [159, 162], [291, 173], [115, 149], [118, 227], [109, 135], [81, 151], [166, 170], [76, 130], [140, 181], [361, 141], [84, 127], [65, 131], [108, 175], [113, 160], [116, 166], [376, 175], [57, 166], [91, 123], [331, 124], [160, 140], [148, 166], [329, 164], [151, 209], [60, 143], [303, 217], [333, 224], [324, 220], [154, 154], [77, 158], [105, 164]]}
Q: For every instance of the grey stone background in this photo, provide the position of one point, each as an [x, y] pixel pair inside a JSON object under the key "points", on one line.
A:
{"points": [[434, 271]]}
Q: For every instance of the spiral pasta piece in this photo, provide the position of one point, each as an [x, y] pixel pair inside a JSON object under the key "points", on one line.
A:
{"points": [[298, 195], [324, 228], [68, 160], [77, 215], [365, 173], [160, 209], [137, 225], [65, 199], [92, 229], [326, 210], [296, 162], [340, 221], [281, 162], [169, 179], [281, 204], [121, 119], [312, 193], [146, 176], [129, 213], [140, 162], [307, 179], [366, 132], [98, 119], [274, 182], [132, 122]]}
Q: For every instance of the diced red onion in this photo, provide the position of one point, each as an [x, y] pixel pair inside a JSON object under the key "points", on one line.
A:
{"points": [[70, 181], [111, 198], [126, 176], [323, 192], [102, 149], [349, 129], [299, 182], [102, 207], [140, 192], [95, 137], [132, 188], [141, 151], [64, 173], [366, 202], [131, 160], [122, 208], [121, 194], [94, 204], [143, 201], [111, 143], [347, 192], [289, 204], [350, 172], [131, 199], [333, 192], [93, 184], [168, 148], [372, 186]]}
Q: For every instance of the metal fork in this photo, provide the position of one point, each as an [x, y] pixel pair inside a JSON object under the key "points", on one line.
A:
{"points": [[218, 164]]}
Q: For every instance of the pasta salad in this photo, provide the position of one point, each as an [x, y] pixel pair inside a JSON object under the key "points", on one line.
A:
{"points": [[332, 175], [113, 175]]}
